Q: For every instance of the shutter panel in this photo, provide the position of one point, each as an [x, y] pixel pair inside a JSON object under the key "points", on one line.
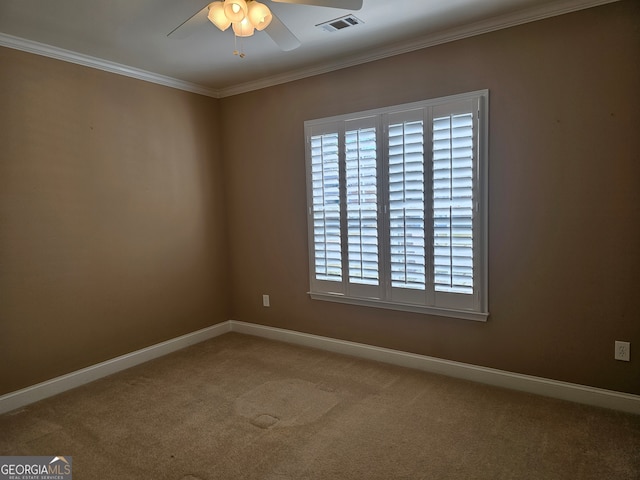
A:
{"points": [[362, 205], [453, 157], [325, 192], [406, 205]]}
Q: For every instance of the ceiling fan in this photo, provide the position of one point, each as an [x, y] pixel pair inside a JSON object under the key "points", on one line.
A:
{"points": [[245, 16]]}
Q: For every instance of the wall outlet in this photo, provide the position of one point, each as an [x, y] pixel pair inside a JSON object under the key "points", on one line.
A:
{"points": [[623, 351], [265, 301]]}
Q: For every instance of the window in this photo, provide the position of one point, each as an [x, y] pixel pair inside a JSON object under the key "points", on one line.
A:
{"points": [[397, 205]]}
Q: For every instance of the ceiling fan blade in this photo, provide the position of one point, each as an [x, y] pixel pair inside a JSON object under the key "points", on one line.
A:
{"points": [[191, 24], [280, 34], [345, 4]]}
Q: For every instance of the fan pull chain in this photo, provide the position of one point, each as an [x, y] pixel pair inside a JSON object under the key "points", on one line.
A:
{"points": [[235, 44]]}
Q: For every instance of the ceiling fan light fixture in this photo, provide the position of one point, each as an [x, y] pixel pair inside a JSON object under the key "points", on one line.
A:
{"points": [[217, 16], [243, 28], [259, 15], [235, 10]]}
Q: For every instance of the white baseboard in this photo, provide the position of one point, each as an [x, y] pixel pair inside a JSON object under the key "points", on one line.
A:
{"points": [[598, 397], [34, 393], [541, 386]]}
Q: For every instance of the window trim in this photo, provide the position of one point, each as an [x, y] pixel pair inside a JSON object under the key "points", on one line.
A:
{"points": [[481, 206], [403, 307]]}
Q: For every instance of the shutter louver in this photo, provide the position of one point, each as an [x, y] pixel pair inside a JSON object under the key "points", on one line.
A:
{"points": [[406, 205], [453, 203], [362, 205], [325, 180]]}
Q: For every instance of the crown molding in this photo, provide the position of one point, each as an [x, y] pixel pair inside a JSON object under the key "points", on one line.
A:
{"points": [[528, 15], [37, 48]]}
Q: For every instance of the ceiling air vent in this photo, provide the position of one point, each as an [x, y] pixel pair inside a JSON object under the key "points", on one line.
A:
{"points": [[340, 23]]}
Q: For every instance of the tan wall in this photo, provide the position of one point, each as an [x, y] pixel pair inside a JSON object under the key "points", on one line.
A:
{"points": [[564, 197], [112, 219]]}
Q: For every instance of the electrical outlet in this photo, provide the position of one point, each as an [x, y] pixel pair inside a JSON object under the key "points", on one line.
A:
{"points": [[265, 301], [622, 351]]}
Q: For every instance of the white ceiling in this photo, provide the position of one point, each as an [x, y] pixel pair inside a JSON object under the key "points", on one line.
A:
{"points": [[131, 35]]}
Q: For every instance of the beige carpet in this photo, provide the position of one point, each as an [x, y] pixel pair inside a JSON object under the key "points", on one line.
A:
{"points": [[240, 407]]}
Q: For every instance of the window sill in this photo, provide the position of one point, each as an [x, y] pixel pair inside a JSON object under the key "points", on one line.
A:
{"points": [[405, 307]]}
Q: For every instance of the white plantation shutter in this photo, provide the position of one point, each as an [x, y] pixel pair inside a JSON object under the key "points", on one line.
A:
{"points": [[325, 188], [362, 205], [407, 239], [398, 207], [453, 203]]}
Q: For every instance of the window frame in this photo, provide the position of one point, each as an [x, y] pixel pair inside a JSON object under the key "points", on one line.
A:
{"points": [[380, 296]]}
